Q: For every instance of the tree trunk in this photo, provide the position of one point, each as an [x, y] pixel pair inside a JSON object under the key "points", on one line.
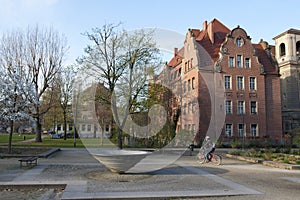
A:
{"points": [[65, 124], [10, 136], [38, 137], [120, 143]]}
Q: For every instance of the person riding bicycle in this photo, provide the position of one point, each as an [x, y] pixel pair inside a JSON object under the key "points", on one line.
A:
{"points": [[210, 147]]}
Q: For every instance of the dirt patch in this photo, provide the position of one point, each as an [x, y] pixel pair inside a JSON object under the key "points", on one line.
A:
{"points": [[31, 192]]}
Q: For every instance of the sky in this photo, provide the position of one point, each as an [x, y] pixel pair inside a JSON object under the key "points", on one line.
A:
{"points": [[262, 19]]}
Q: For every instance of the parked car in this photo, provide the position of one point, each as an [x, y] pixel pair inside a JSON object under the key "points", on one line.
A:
{"points": [[57, 136]]}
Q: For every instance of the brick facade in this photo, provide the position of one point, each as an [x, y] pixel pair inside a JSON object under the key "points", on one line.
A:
{"points": [[232, 81]]}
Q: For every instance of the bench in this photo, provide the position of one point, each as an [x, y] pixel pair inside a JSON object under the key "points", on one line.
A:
{"points": [[30, 161]]}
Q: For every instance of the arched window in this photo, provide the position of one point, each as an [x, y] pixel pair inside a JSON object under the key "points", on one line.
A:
{"points": [[298, 48], [282, 49]]}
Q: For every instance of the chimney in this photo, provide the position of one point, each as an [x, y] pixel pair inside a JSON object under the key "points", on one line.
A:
{"points": [[175, 51], [211, 33], [204, 26]]}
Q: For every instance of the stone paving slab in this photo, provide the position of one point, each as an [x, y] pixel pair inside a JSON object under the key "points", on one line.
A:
{"points": [[85, 178]]}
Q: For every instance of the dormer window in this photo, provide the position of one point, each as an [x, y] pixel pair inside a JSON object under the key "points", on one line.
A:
{"points": [[239, 42]]}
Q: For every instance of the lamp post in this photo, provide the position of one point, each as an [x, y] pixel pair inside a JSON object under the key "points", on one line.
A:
{"points": [[243, 124]]}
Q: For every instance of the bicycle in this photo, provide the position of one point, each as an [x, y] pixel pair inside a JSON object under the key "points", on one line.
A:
{"points": [[215, 159]]}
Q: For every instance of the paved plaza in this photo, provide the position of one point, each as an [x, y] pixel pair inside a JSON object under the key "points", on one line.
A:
{"points": [[74, 174]]}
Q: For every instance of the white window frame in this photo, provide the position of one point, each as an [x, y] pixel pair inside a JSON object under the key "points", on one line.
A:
{"points": [[228, 130], [247, 63], [240, 85], [241, 107], [241, 131], [227, 83], [239, 61], [252, 84], [254, 132], [253, 112], [228, 107], [231, 61]]}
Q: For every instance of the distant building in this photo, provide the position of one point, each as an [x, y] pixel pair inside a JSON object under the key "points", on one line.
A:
{"points": [[287, 48], [249, 84]]}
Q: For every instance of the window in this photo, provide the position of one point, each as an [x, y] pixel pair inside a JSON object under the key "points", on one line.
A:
{"points": [[231, 61], [58, 127], [254, 131], [228, 130], [184, 87], [228, 107], [193, 83], [247, 63], [239, 42], [240, 82], [298, 48], [253, 107], [89, 127], [282, 49], [241, 130], [252, 83], [179, 72], [70, 127], [241, 107], [228, 82], [239, 61], [83, 127], [189, 85]]}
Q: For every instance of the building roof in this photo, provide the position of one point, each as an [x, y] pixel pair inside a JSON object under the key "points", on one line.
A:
{"points": [[290, 31], [213, 35], [265, 58], [177, 58]]}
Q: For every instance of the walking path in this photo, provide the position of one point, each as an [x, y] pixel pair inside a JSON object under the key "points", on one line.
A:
{"points": [[86, 178]]}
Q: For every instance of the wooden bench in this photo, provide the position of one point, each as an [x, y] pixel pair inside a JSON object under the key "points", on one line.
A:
{"points": [[30, 161]]}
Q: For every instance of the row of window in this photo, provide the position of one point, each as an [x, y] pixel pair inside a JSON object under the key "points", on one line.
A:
{"points": [[241, 130], [189, 85], [282, 49], [239, 61], [239, 83], [189, 108], [240, 107], [188, 65]]}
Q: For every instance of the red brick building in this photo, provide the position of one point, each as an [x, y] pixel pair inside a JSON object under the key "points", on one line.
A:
{"points": [[234, 83]]}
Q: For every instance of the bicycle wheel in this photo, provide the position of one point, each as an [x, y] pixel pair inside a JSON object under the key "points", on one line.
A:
{"points": [[216, 160], [201, 158]]}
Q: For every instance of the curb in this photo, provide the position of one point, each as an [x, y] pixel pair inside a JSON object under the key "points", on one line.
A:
{"points": [[265, 162], [242, 158], [41, 155]]}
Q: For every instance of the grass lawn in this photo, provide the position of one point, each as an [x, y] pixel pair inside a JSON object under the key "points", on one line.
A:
{"points": [[16, 138], [48, 142]]}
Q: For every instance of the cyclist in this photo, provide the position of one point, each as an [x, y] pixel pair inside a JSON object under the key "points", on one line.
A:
{"points": [[210, 147]]}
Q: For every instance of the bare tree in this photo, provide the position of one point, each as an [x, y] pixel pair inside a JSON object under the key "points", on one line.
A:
{"points": [[66, 90], [121, 60], [40, 57], [46, 52]]}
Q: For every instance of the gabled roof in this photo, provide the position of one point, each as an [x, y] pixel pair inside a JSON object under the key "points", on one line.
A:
{"points": [[211, 37], [177, 58], [265, 59], [290, 31]]}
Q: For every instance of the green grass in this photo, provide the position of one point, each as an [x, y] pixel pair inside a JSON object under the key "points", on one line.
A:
{"points": [[16, 138], [48, 142]]}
